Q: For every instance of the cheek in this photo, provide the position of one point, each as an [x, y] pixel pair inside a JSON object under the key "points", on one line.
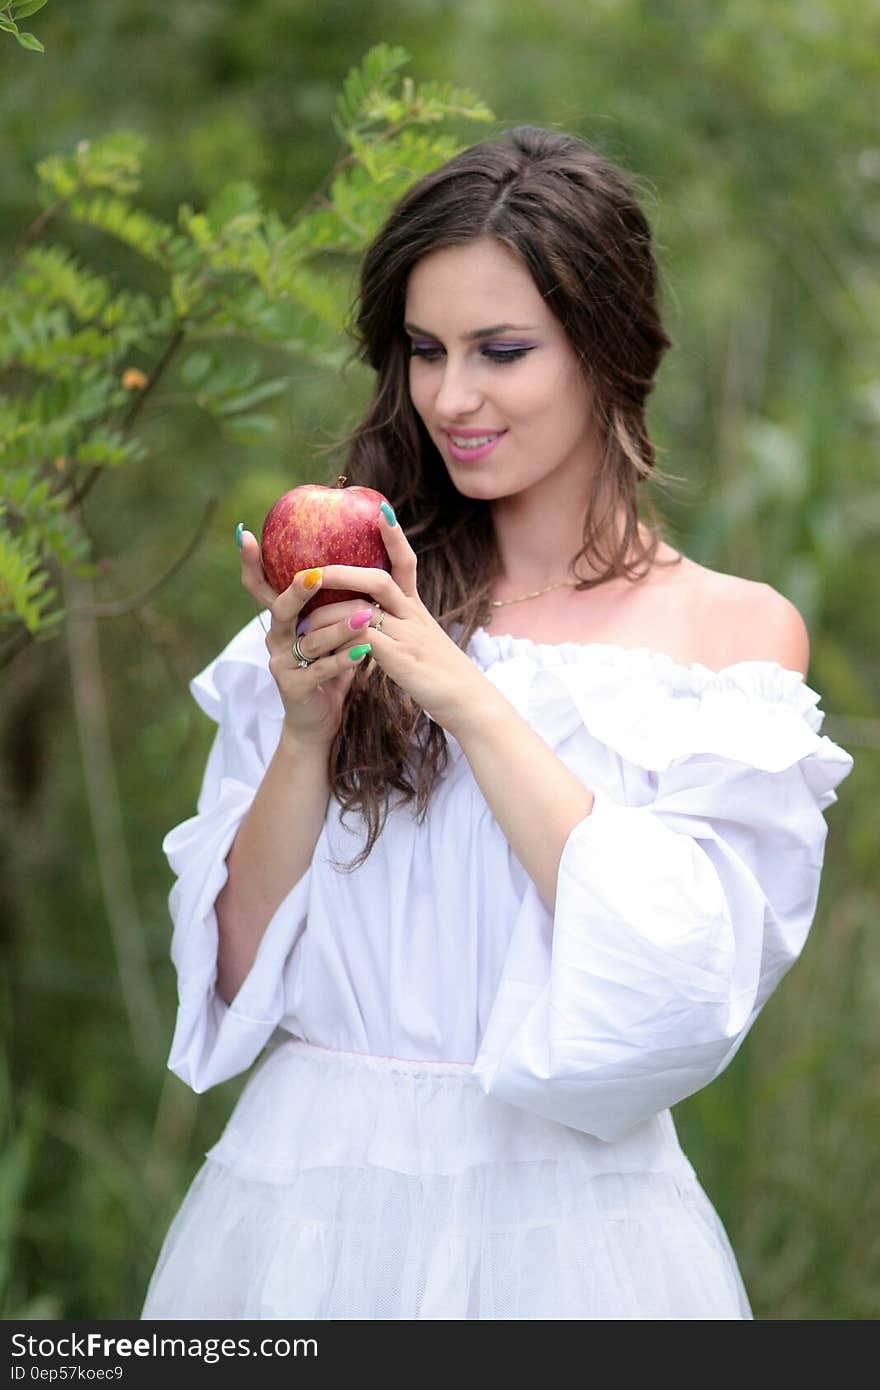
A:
{"points": [[536, 398], [571, 397], [551, 408], [419, 391]]}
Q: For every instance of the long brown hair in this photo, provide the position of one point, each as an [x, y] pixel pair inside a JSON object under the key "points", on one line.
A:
{"points": [[573, 219]]}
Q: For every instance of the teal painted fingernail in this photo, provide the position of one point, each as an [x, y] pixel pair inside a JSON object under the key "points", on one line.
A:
{"points": [[388, 513], [357, 652], [239, 532]]}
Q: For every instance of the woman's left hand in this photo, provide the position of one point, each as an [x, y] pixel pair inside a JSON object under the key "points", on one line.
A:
{"points": [[411, 645]]}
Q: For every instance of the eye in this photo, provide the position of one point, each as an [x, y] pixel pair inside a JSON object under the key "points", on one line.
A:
{"points": [[505, 354], [493, 354]]}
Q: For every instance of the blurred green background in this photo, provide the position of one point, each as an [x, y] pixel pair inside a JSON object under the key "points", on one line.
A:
{"points": [[752, 129]]}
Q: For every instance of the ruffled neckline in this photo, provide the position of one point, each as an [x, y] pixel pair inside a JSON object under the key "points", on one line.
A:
{"points": [[655, 712], [639, 703], [768, 676]]}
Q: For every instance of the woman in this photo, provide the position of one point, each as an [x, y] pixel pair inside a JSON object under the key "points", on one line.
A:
{"points": [[605, 850]]}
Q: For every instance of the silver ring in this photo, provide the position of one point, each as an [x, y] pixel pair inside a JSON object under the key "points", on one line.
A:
{"points": [[299, 656]]}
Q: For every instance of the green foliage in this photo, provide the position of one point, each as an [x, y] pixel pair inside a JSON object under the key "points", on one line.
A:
{"points": [[69, 338], [12, 13], [19, 1145], [23, 584], [113, 162], [368, 99]]}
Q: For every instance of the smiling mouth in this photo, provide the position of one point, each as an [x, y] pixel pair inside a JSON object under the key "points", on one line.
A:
{"points": [[476, 442]]}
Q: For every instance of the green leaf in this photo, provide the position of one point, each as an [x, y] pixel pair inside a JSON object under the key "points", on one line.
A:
{"points": [[24, 585], [145, 234], [196, 368], [114, 162], [107, 447], [263, 392], [8, 24], [436, 101], [25, 8], [235, 200], [30, 41], [227, 378], [52, 274], [250, 429], [365, 85]]}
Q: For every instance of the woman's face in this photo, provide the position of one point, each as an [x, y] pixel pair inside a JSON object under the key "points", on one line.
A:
{"points": [[522, 384]]}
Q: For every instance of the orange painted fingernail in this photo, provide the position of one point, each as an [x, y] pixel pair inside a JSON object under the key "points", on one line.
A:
{"points": [[310, 578]]}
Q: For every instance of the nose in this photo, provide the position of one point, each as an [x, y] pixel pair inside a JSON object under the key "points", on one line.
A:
{"points": [[457, 393]]}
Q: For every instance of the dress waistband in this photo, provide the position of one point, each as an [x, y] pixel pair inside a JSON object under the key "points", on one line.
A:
{"points": [[307, 1106], [375, 1061]]}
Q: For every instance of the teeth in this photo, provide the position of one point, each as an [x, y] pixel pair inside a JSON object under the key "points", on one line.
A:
{"points": [[473, 443]]}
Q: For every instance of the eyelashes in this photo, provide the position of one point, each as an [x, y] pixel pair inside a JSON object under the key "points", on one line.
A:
{"points": [[493, 354]]}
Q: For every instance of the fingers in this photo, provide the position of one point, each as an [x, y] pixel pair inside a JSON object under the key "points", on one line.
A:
{"points": [[327, 628], [290, 676], [330, 613], [401, 554], [372, 583], [332, 637], [289, 604], [285, 606], [253, 576], [324, 638]]}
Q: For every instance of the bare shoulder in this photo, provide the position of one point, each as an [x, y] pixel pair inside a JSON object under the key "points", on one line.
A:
{"points": [[745, 620]]}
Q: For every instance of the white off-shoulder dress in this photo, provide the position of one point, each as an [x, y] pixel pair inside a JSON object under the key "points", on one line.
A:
{"points": [[462, 1110]]}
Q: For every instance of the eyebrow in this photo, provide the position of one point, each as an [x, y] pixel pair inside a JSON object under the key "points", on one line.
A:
{"points": [[478, 332]]}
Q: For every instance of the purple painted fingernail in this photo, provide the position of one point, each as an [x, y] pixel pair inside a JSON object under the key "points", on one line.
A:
{"points": [[302, 626]]}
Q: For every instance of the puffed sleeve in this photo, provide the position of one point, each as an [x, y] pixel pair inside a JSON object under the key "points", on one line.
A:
{"points": [[675, 918], [212, 1040]]}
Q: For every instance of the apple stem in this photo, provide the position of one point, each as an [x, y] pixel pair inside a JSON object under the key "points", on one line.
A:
{"points": [[342, 480]]}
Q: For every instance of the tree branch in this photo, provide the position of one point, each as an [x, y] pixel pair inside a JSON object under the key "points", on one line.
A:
{"points": [[102, 792], [35, 230], [117, 607], [315, 199], [17, 643], [131, 415]]}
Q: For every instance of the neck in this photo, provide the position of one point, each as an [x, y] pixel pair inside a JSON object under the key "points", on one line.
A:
{"points": [[538, 537], [540, 529]]}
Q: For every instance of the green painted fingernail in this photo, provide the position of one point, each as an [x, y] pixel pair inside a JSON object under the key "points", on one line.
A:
{"points": [[357, 652], [239, 532], [388, 513]]}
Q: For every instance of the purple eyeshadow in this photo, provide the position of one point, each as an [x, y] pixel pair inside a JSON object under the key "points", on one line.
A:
{"points": [[505, 346]]}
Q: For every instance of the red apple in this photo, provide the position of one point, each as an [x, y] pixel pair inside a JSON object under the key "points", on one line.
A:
{"points": [[313, 526]]}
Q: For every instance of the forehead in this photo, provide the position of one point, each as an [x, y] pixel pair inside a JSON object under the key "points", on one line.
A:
{"points": [[462, 284]]}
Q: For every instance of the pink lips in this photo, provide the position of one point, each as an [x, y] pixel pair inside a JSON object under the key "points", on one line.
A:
{"points": [[469, 455]]}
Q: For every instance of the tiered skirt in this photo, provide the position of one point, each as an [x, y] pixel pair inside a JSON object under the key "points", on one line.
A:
{"points": [[352, 1186]]}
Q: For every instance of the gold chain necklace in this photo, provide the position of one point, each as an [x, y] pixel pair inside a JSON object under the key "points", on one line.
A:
{"points": [[502, 602], [563, 583]]}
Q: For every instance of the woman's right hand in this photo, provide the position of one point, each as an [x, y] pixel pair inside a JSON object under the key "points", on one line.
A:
{"points": [[313, 696]]}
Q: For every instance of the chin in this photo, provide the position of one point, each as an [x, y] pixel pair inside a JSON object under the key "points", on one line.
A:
{"points": [[478, 489]]}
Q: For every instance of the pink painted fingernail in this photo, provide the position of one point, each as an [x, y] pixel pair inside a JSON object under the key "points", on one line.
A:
{"points": [[360, 619]]}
